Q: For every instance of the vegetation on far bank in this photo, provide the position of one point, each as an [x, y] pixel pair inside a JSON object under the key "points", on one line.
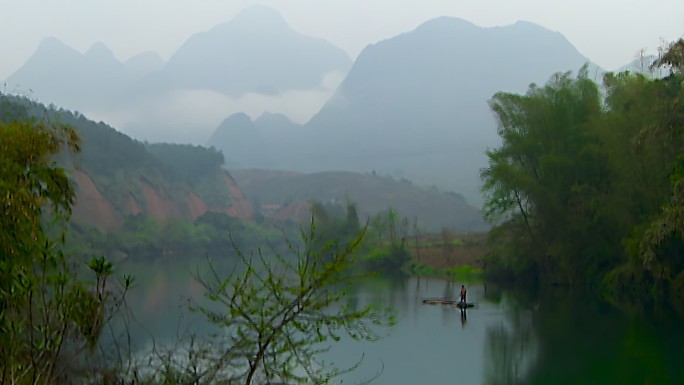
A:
{"points": [[448, 254]]}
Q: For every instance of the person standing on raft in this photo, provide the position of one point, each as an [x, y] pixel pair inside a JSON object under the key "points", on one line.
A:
{"points": [[463, 294]]}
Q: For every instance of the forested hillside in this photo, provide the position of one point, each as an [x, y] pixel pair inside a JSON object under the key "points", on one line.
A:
{"points": [[123, 185], [587, 188]]}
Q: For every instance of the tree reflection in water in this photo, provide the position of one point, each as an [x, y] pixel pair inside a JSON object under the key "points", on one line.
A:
{"points": [[566, 338], [511, 348]]}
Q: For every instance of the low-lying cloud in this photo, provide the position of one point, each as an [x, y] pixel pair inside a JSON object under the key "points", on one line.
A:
{"points": [[191, 116]]}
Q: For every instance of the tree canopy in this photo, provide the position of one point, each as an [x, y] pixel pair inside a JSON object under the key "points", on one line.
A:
{"points": [[585, 187], [48, 317]]}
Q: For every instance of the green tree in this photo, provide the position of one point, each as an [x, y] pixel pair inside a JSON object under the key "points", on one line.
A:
{"points": [[585, 190], [335, 223], [545, 183], [276, 315], [662, 244], [386, 250], [187, 162], [48, 318], [643, 130]]}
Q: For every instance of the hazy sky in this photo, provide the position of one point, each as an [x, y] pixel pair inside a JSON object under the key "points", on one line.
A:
{"points": [[608, 32]]}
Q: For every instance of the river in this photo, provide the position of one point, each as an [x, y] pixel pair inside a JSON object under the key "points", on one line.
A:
{"points": [[509, 337], [513, 338]]}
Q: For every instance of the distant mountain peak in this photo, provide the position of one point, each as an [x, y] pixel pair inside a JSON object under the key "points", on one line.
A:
{"points": [[256, 18], [256, 52], [99, 49], [529, 25], [52, 44], [50, 41], [237, 118], [419, 101], [259, 15], [447, 21], [147, 56], [272, 117], [146, 60], [445, 24]]}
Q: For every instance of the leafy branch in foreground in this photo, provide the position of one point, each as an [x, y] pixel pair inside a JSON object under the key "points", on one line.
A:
{"points": [[277, 314], [50, 320]]}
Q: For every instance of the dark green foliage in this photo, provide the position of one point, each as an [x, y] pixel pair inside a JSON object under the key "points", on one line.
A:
{"points": [[334, 223], [49, 318], [389, 259], [105, 149], [187, 162], [549, 174], [386, 249], [143, 238], [11, 110], [585, 190]]}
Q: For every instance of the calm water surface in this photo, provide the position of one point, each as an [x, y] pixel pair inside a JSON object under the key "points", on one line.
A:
{"points": [[508, 338], [512, 339], [430, 344]]}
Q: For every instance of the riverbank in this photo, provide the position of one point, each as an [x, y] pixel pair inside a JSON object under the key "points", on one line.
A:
{"points": [[449, 254]]}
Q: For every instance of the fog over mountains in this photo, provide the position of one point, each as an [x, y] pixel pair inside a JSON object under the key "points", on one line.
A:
{"points": [[413, 106], [253, 63], [256, 52]]}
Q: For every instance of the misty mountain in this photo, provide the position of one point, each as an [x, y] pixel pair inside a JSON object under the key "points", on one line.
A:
{"points": [[238, 136], [252, 63], [276, 126], [256, 52], [254, 144], [415, 106], [58, 74], [143, 64]]}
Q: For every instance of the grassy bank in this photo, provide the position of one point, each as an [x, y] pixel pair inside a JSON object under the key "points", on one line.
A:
{"points": [[454, 255]]}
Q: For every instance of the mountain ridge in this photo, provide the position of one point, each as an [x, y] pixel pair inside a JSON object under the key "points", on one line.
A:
{"points": [[230, 65], [117, 177], [415, 105]]}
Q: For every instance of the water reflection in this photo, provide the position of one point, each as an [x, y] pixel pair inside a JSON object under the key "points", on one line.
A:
{"points": [[509, 337], [517, 337], [564, 338], [431, 343], [510, 347], [464, 317]]}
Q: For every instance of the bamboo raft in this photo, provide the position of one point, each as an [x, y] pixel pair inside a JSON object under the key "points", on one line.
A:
{"points": [[444, 301]]}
